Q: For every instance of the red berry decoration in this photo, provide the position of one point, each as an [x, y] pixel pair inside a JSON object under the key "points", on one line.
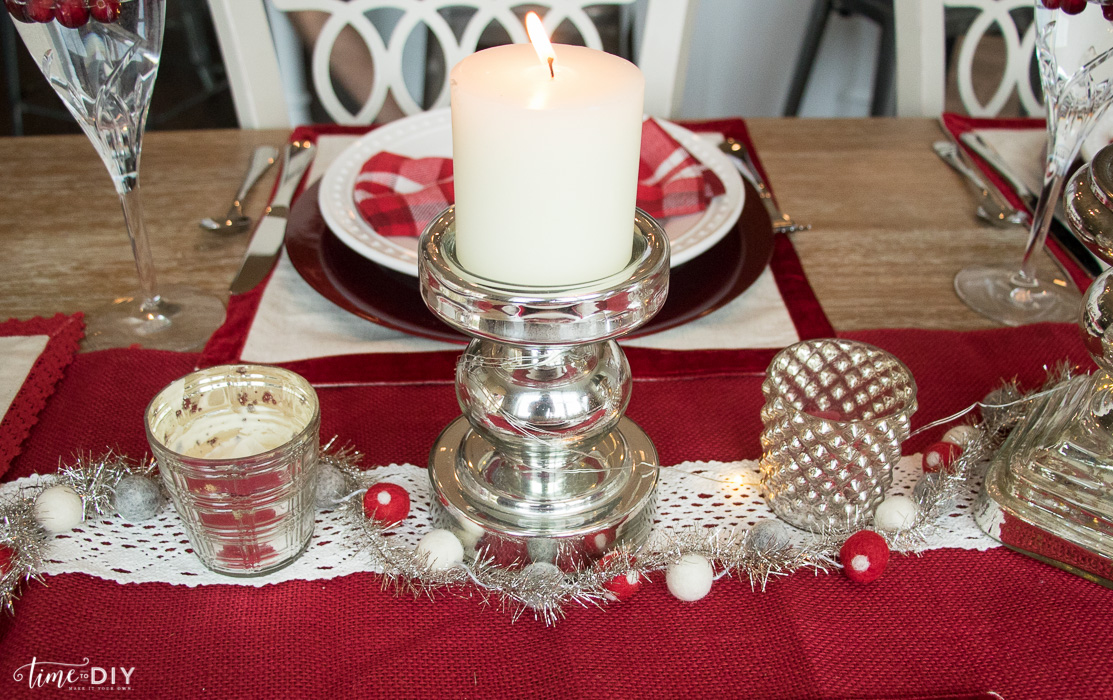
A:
{"points": [[71, 13], [940, 456], [1107, 12], [1052, 4], [105, 11], [624, 586], [387, 503], [1072, 7], [18, 10], [40, 10], [7, 557], [864, 556]]}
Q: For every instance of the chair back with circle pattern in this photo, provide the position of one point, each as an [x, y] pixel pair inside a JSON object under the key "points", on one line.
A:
{"points": [[270, 84], [921, 60]]}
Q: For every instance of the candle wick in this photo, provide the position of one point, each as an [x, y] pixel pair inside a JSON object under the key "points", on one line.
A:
{"points": [[552, 73]]}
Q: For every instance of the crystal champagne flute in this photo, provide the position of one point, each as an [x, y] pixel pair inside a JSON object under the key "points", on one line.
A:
{"points": [[101, 57], [1074, 43]]}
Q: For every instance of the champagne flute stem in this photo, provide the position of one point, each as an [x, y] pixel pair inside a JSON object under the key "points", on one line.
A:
{"points": [[140, 248], [1041, 223]]}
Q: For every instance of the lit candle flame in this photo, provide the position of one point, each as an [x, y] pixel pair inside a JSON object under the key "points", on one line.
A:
{"points": [[540, 41]]}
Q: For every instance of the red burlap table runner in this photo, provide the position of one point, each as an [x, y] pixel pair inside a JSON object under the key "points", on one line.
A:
{"points": [[951, 623]]}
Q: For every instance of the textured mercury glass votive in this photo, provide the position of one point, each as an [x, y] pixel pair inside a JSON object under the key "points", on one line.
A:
{"points": [[237, 448], [835, 414]]}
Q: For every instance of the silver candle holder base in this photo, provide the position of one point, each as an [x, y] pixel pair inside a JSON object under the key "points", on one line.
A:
{"points": [[543, 466]]}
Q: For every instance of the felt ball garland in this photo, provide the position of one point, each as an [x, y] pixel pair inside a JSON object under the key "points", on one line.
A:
{"points": [[864, 556]]}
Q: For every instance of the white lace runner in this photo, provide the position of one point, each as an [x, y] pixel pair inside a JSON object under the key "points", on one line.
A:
{"points": [[693, 494]]}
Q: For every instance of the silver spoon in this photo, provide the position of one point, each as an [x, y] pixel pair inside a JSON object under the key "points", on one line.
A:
{"points": [[782, 222], [235, 221], [992, 206]]}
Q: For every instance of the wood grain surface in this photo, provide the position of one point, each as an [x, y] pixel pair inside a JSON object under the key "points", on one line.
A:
{"points": [[891, 223]]}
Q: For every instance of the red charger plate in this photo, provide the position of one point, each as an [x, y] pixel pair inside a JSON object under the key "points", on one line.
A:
{"points": [[392, 299]]}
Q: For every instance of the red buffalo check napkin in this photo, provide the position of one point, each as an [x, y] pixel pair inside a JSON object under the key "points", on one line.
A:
{"points": [[399, 196]]}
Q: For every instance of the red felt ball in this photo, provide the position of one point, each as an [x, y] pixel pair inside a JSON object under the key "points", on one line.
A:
{"points": [[940, 456], [71, 13], [7, 557], [388, 503], [1072, 7], [40, 10], [864, 556], [624, 586], [105, 11]]}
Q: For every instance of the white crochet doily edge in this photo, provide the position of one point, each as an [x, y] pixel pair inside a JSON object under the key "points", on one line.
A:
{"points": [[691, 495]]}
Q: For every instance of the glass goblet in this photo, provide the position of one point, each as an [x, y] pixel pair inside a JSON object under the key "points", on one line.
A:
{"points": [[101, 57], [1076, 73]]}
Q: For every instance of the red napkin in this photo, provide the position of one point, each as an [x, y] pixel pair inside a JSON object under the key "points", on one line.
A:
{"points": [[399, 196]]}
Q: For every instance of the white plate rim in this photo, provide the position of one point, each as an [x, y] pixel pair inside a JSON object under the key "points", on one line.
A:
{"points": [[338, 208]]}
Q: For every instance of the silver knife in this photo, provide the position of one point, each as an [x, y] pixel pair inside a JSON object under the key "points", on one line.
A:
{"points": [[1060, 230], [266, 241]]}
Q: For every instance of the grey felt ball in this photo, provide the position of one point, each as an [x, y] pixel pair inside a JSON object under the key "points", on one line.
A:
{"points": [[930, 483], [997, 401], [332, 485], [137, 498], [767, 536]]}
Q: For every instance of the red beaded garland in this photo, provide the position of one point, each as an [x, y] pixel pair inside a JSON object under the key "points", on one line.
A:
{"points": [[40, 10], [18, 10], [387, 503], [72, 13], [864, 556], [105, 11]]}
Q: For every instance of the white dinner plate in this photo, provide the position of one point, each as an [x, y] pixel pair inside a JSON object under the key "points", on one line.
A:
{"points": [[430, 134]]}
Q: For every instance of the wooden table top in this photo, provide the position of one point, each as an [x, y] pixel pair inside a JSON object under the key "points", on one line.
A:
{"points": [[891, 223]]}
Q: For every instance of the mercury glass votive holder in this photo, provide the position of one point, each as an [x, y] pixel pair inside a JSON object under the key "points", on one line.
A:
{"points": [[237, 447], [835, 415]]}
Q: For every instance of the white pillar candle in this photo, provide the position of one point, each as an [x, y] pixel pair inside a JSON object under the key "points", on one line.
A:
{"points": [[545, 164]]}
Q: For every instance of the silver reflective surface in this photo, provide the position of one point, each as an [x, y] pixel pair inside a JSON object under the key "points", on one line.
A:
{"points": [[543, 463]]}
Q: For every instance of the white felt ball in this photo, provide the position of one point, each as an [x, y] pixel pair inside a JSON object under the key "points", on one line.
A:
{"points": [[961, 435], [690, 578], [895, 513], [59, 509], [442, 549]]}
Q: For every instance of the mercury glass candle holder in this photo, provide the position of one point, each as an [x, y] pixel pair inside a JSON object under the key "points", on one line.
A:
{"points": [[543, 466], [237, 448], [835, 415]]}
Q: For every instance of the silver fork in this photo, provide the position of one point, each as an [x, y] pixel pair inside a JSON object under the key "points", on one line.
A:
{"points": [[740, 156]]}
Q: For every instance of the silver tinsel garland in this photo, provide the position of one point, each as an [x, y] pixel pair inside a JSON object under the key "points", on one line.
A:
{"points": [[547, 591], [543, 590]]}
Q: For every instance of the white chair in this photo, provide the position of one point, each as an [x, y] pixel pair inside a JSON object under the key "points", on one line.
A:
{"points": [[266, 80], [921, 63]]}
